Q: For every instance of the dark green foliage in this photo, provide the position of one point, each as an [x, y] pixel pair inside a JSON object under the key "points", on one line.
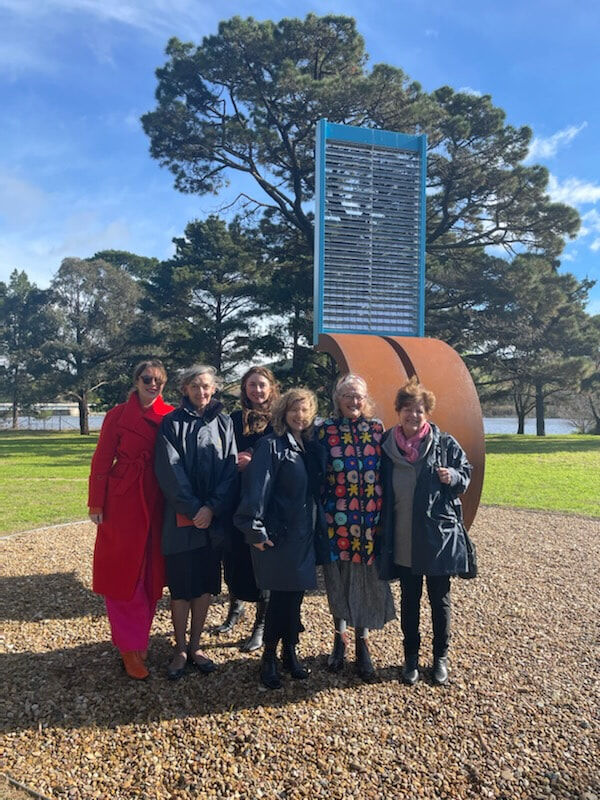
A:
{"points": [[97, 305], [534, 336], [27, 323], [136, 266], [203, 302], [248, 100]]}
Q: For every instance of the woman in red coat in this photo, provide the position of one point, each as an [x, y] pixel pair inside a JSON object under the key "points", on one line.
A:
{"points": [[126, 504]]}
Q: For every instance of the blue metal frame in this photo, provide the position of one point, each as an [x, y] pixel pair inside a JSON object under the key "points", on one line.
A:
{"points": [[370, 136]]}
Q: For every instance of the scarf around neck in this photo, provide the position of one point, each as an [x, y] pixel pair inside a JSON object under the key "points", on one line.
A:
{"points": [[411, 447]]}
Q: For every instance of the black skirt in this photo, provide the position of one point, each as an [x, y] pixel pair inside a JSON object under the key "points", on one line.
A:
{"points": [[194, 573]]}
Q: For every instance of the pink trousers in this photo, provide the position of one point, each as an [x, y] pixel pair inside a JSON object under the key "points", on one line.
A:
{"points": [[130, 620]]}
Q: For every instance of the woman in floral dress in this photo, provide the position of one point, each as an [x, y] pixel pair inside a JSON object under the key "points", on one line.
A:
{"points": [[352, 501]]}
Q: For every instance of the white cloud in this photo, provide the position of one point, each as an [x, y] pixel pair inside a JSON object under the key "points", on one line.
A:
{"points": [[573, 191], [469, 90], [590, 222], [160, 17], [542, 147], [595, 245]]}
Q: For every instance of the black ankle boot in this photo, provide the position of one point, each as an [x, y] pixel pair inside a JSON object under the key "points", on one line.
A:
{"points": [[439, 671], [335, 660], [269, 676], [410, 670], [234, 615], [254, 642], [290, 663], [364, 665]]}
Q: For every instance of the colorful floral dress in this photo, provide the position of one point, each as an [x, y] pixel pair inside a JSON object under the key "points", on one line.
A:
{"points": [[353, 491]]}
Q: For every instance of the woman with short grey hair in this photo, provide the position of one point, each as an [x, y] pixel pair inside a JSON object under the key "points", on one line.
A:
{"points": [[195, 461]]}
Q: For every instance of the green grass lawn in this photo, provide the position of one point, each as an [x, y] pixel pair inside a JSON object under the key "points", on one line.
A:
{"points": [[553, 473], [43, 478], [43, 475]]}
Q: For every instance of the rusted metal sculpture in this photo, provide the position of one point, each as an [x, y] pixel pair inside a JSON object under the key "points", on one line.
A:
{"points": [[386, 362]]}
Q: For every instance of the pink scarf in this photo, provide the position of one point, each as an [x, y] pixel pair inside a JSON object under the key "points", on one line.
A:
{"points": [[410, 447]]}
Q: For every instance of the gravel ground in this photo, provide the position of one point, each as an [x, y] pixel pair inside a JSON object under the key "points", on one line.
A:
{"points": [[519, 718]]}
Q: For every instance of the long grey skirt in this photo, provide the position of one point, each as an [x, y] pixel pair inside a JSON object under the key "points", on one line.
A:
{"points": [[355, 593]]}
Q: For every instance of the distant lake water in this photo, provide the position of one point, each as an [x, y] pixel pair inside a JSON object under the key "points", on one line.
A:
{"points": [[490, 424], [509, 425]]}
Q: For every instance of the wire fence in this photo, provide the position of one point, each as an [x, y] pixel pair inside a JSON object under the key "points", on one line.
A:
{"points": [[56, 422]]}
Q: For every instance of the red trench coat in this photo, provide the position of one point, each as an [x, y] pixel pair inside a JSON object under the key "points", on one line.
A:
{"points": [[123, 486]]}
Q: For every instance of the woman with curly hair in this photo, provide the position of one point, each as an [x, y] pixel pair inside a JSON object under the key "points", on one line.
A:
{"points": [[280, 490]]}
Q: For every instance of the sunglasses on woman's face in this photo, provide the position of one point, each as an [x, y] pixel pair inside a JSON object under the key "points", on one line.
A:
{"points": [[148, 379]]}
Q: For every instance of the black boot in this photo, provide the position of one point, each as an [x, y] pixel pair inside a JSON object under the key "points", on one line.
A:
{"points": [[335, 660], [269, 676], [439, 672], [256, 637], [410, 670], [234, 615], [290, 663], [364, 665]]}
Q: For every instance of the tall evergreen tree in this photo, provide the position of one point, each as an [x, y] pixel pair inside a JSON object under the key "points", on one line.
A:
{"points": [[97, 305], [534, 333], [27, 323], [247, 100], [204, 300]]}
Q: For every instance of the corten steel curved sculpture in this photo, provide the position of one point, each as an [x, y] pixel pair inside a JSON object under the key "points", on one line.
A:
{"points": [[386, 362], [370, 280]]}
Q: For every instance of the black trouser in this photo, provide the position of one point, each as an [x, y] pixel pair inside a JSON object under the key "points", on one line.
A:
{"points": [[283, 618], [438, 590]]}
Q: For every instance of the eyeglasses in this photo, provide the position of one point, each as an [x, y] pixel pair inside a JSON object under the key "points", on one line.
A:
{"points": [[148, 379], [358, 397]]}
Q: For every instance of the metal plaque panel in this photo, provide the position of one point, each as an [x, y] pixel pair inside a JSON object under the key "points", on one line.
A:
{"points": [[370, 231]]}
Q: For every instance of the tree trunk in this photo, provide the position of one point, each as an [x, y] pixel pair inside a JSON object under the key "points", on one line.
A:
{"points": [[15, 399], [295, 342], [520, 410], [540, 423], [84, 413], [596, 414]]}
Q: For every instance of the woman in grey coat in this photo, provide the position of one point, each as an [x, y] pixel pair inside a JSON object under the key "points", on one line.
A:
{"points": [[424, 471], [195, 459], [277, 514]]}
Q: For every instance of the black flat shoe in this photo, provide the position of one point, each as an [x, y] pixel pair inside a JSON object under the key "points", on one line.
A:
{"points": [[174, 674], [205, 666]]}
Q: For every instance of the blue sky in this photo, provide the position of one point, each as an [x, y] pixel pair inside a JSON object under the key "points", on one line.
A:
{"points": [[75, 172]]}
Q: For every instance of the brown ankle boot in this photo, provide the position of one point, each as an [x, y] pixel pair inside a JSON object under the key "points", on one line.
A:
{"points": [[134, 666]]}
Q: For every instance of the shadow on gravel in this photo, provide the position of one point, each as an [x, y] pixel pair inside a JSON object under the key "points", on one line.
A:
{"points": [[86, 686], [60, 595]]}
